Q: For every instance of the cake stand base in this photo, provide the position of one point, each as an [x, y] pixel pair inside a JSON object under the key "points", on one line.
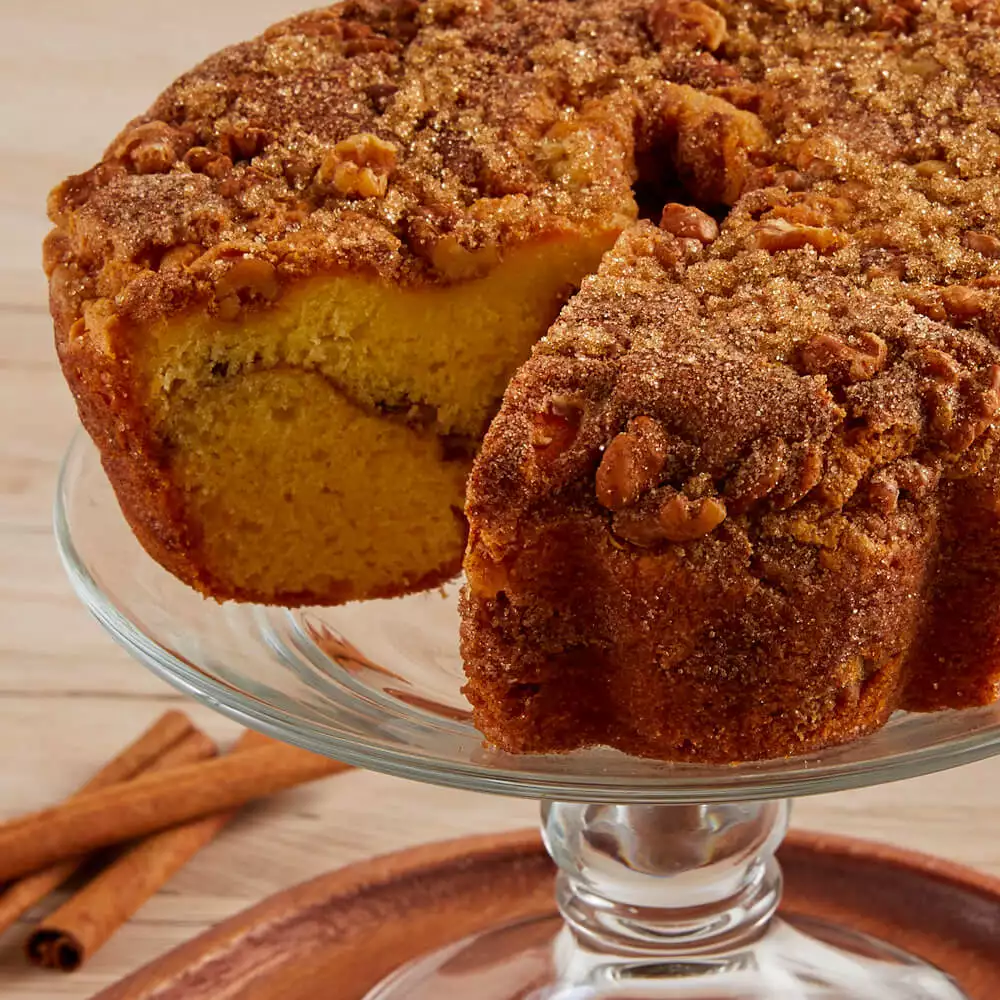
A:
{"points": [[671, 901], [539, 960]]}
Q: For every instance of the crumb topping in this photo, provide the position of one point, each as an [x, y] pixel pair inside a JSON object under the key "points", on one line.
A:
{"points": [[420, 140]]}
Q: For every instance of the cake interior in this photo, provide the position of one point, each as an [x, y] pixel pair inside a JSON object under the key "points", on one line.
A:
{"points": [[321, 445]]}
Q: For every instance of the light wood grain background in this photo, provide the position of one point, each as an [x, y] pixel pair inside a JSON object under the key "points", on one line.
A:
{"points": [[70, 75]]}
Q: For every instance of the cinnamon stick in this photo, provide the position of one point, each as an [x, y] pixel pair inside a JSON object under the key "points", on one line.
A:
{"points": [[152, 802], [169, 730], [73, 932]]}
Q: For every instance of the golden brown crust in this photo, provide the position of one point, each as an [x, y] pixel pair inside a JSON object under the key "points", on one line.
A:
{"points": [[415, 142], [744, 499]]}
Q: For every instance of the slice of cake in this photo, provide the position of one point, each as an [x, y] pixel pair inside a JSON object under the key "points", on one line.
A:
{"points": [[744, 499], [289, 298]]}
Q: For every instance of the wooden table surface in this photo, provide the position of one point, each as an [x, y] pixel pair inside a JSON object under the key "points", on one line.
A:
{"points": [[70, 75]]}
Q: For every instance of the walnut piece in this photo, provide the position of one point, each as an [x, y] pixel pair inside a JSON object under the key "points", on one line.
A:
{"points": [[805, 470], [554, 429], [758, 474], [940, 366], [688, 222], [152, 148], [359, 166], [926, 301], [977, 10], [790, 179], [203, 160], [883, 494], [676, 22], [933, 168], [960, 414], [816, 210], [963, 302], [714, 142], [250, 277], [669, 517], [773, 235], [632, 464], [988, 246], [916, 478], [841, 361]]}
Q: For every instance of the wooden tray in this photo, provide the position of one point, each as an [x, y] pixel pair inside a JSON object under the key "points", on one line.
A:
{"points": [[335, 936]]}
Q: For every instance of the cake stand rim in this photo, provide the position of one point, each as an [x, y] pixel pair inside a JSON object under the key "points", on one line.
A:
{"points": [[725, 784]]}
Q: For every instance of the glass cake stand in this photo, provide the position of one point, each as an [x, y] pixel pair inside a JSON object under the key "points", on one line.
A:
{"points": [[667, 884]]}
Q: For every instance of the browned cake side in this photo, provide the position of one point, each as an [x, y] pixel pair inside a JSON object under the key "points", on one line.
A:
{"points": [[744, 500]]}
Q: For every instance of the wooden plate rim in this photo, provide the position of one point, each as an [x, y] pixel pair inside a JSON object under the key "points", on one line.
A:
{"points": [[175, 975]]}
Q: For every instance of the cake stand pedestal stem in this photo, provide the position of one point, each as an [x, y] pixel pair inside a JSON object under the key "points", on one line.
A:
{"points": [[681, 900], [664, 881]]}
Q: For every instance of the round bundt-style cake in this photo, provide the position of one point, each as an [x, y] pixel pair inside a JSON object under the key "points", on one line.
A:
{"points": [[741, 502]]}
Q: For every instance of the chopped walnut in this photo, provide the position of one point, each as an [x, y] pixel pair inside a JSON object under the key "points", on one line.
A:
{"points": [[960, 414], [632, 464], [714, 142], [933, 168], [669, 516], [816, 210], [877, 262], [757, 475], [814, 158], [892, 17], [151, 148], [841, 361], [940, 366], [982, 243], [688, 222], [790, 179], [450, 11], [916, 478], [554, 429], [802, 215], [774, 235], [963, 302], [359, 166], [251, 277], [676, 22], [210, 162], [942, 404], [805, 470], [977, 10], [988, 403], [883, 494], [926, 301]]}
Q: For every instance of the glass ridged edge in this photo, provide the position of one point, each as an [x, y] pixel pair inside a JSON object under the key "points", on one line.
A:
{"points": [[391, 702]]}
